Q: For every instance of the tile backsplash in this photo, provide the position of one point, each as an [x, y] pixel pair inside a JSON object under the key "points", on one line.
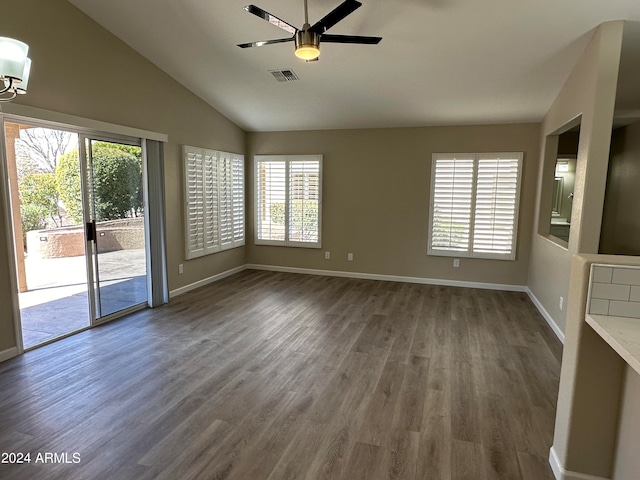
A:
{"points": [[615, 291]]}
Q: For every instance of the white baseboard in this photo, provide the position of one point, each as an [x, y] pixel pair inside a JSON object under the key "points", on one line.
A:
{"points": [[206, 281], [548, 318], [8, 353], [390, 278], [561, 474]]}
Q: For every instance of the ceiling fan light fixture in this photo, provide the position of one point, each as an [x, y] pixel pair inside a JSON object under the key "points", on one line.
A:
{"points": [[307, 44], [307, 52]]}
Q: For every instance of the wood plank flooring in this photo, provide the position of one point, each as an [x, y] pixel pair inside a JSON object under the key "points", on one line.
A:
{"points": [[279, 376]]}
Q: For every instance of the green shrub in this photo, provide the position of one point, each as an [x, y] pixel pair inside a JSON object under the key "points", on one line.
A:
{"points": [[116, 182], [68, 184], [277, 213], [38, 201], [117, 177], [34, 217], [304, 213]]}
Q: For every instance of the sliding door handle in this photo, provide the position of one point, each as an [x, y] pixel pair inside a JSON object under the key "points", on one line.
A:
{"points": [[91, 231]]}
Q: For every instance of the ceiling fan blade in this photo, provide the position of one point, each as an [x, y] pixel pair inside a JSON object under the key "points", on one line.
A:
{"points": [[337, 14], [272, 19], [326, 38], [265, 42]]}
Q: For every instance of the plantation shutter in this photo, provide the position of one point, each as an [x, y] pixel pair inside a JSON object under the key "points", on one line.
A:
{"points": [[288, 193], [474, 205], [271, 183], [225, 171], [214, 201], [496, 207], [210, 200], [238, 200], [194, 194], [452, 187], [304, 198]]}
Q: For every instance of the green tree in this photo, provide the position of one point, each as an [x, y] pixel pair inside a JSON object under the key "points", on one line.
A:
{"points": [[138, 203], [68, 184], [116, 176], [116, 182]]}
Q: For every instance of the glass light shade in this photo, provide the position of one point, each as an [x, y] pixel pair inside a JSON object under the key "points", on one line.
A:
{"points": [[307, 52], [13, 55], [22, 86]]}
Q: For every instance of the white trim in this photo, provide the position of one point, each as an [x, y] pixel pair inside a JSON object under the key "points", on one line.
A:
{"points": [[389, 278], [561, 474], [74, 122], [548, 318], [8, 353], [206, 281]]}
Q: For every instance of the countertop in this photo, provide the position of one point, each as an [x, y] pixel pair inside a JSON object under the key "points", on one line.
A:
{"points": [[623, 334]]}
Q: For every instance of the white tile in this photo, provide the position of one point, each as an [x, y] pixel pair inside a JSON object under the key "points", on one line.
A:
{"points": [[624, 309], [610, 292], [599, 307], [627, 276], [635, 294], [602, 274]]}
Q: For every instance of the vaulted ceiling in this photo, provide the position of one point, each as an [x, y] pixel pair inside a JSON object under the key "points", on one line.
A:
{"points": [[440, 62]]}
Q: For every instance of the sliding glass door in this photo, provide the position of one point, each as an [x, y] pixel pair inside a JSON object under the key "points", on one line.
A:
{"points": [[45, 186], [77, 205], [115, 225]]}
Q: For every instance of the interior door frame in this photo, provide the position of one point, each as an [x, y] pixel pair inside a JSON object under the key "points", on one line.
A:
{"points": [[13, 113]]}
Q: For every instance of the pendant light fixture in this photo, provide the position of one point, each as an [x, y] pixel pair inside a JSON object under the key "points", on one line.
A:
{"points": [[15, 67]]}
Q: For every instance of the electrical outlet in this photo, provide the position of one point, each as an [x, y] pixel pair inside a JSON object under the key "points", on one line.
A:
{"points": [[327, 255], [456, 262], [350, 257], [561, 302], [181, 269]]}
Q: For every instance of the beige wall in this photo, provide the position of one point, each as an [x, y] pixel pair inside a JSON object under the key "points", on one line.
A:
{"points": [[621, 223], [81, 69], [376, 199], [595, 410], [589, 93], [627, 460], [590, 410]]}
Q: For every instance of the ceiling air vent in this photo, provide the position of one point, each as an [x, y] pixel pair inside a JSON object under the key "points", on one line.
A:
{"points": [[284, 75]]}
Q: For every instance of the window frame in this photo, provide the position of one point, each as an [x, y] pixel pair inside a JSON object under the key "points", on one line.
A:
{"points": [[237, 237], [287, 160], [469, 253]]}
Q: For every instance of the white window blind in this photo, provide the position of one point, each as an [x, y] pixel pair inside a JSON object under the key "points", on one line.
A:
{"points": [[214, 201], [474, 205], [288, 200]]}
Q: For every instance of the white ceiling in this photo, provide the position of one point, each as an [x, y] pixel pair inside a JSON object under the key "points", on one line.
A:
{"points": [[440, 62]]}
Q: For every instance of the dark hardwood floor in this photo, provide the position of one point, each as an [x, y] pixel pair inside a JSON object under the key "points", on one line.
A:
{"points": [[281, 376]]}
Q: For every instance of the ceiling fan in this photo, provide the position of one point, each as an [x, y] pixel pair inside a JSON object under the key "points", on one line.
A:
{"points": [[307, 39]]}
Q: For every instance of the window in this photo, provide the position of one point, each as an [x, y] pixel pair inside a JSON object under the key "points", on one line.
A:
{"points": [[288, 200], [474, 205], [214, 199]]}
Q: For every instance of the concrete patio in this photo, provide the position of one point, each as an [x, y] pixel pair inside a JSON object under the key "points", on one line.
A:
{"points": [[57, 302]]}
